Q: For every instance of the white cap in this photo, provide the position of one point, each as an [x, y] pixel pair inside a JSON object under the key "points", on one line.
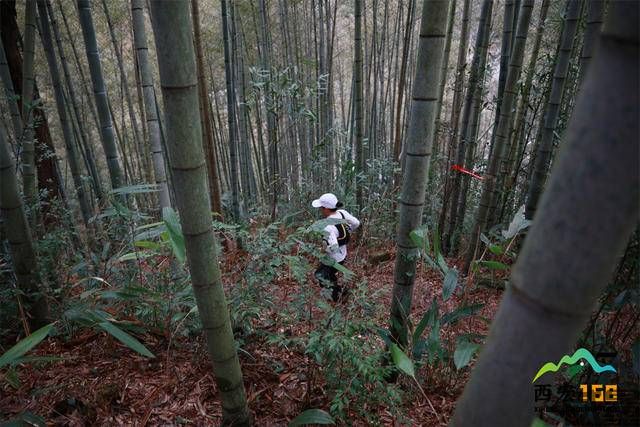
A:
{"points": [[327, 200]]}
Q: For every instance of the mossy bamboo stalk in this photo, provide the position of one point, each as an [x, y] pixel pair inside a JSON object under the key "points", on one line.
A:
{"points": [[424, 102], [176, 59]]}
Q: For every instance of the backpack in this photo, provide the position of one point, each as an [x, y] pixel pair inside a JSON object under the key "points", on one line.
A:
{"points": [[343, 232]]}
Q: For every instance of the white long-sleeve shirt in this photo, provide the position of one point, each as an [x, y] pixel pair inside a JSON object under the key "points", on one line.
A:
{"points": [[335, 251]]}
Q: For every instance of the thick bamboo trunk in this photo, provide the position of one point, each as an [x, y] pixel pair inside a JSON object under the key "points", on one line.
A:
{"points": [[562, 270], [176, 59], [502, 132], [100, 94], [543, 156], [424, 101]]}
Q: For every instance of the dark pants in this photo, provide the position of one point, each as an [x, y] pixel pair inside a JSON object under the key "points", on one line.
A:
{"points": [[327, 278]]}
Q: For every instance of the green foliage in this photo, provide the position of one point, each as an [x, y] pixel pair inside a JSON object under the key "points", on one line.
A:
{"points": [[312, 416], [465, 350], [518, 224], [431, 349], [429, 319], [351, 366], [341, 346], [125, 338], [460, 312], [15, 353], [169, 235], [499, 245], [402, 362], [435, 259], [450, 283], [176, 238]]}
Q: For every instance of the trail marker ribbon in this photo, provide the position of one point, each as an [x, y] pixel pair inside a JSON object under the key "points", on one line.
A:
{"points": [[468, 172]]}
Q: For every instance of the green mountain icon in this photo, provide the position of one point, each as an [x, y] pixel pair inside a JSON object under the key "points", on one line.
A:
{"points": [[581, 353]]}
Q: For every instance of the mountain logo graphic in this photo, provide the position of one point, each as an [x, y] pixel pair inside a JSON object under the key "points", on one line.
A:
{"points": [[581, 353]]}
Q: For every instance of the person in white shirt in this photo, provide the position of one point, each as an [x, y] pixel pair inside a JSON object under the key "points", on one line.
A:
{"points": [[335, 239]]}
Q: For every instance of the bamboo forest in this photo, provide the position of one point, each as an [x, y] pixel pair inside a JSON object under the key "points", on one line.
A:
{"points": [[319, 212]]}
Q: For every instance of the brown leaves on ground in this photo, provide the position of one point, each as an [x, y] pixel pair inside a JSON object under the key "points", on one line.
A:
{"points": [[101, 382]]}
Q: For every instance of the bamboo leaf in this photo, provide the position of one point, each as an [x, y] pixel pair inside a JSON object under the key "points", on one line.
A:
{"points": [[24, 345], [150, 231], [12, 377], [132, 256], [176, 238], [437, 252], [312, 416], [419, 238], [146, 244], [450, 283], [125, 338], [136, 189], [428, 319], [401, 361], [460, 312], [518, 223], [464, 352], [40, 359]]}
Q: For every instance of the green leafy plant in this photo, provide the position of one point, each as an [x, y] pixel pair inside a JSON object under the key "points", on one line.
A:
{"points": [[312, 416], [16, 354], [436, 260], [168, 233], [499, 247]]}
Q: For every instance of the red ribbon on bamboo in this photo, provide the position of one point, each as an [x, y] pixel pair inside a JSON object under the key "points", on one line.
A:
{"points": [[463, 170]]}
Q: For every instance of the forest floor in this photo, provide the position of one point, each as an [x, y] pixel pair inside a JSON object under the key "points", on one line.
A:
{"points": [[98, 381]]}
